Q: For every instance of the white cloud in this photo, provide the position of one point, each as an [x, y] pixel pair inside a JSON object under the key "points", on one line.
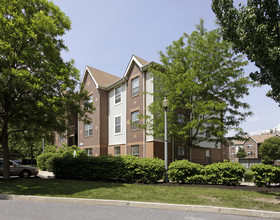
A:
{"points": [[256, 132], [254, 119]]}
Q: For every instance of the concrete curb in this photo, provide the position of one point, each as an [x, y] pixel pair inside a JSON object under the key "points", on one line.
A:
{"points": [[166, 206]]}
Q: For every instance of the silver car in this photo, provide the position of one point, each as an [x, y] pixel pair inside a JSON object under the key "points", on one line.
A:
{"points": [[19, 170]]}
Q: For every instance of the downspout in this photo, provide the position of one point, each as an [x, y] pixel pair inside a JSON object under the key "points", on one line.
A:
{"points": [[144, 113]]}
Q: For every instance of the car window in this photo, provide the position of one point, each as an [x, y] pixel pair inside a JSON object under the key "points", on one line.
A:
{"points": [[1, 162]]}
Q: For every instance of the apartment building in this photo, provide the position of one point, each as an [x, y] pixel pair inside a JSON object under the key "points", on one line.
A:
{"points": [[251, 145], [118, 102]]}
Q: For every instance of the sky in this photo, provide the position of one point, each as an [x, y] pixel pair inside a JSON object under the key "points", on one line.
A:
{"points": [[106, 33]]}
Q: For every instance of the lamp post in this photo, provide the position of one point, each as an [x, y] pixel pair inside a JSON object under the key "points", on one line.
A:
{"points": [[165, 106]]}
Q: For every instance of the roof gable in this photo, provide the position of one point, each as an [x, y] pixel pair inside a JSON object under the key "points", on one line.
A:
{"points": [[134, 59], [100, 78]]}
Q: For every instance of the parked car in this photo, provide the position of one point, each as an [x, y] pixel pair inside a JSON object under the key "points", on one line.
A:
{"points": [[19, 170]]}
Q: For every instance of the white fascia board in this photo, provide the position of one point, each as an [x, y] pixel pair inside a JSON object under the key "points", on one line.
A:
{"points": [[86, 69], [115, 84], [133, 58]]}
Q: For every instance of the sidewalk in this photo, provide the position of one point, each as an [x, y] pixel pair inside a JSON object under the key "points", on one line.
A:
{"points": [[45, 174]]}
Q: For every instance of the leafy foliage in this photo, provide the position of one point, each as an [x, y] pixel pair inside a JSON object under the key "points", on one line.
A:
{"points": [[204, 82], [270, 150], [254, 30], [45, 161], [241, 153], [109, 168], [183, 171], [37, 88], [265, 174], [228, 173]]}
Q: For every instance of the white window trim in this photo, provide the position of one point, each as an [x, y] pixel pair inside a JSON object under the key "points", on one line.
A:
{"points": [[86, 132], [133, 146], [119, 94], [115, 125], [115, 150], [132, 125], [132, 95], [87, 152]]}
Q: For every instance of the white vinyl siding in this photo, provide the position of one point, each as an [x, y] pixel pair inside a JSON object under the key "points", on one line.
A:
{"points": [[115, 111]]}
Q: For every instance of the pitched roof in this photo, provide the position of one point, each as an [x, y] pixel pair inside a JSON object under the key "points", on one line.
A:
{"points": [[102, 78], [142, 61], [261, 138], [238, 142]]}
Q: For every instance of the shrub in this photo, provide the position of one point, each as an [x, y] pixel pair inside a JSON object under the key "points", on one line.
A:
{"points": [[228, 173], [183, 171], [42, 161], [265, 174], [109, 168]]}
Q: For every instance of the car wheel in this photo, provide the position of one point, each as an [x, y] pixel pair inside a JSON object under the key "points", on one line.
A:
{"points": [[25, 174]]}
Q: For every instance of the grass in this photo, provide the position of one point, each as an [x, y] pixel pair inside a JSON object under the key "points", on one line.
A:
{"points": [[249, 177], [208, 196]]}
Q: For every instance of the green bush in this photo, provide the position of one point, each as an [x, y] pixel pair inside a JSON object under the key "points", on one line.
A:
{"points": [[42, 161], [109, 168], [183, 171], [228, 173], [45, 161], [265, 174]]}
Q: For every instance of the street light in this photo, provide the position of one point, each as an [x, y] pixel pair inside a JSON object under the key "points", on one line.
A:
{"points": [[165, 106]]}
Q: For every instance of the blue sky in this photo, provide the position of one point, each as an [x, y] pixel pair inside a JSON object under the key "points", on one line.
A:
{"points": [[106, 33]]}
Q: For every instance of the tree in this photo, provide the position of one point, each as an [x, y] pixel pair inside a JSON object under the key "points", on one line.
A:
{"points": [[37, 88], [203, 81], [241, 153], [270, 150], [255, 31]]}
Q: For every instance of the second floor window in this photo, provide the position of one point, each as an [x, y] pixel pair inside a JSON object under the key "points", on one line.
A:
{"points": [[117, 124], [118, 95], [88, 129], [135, 120], [135, 86]]}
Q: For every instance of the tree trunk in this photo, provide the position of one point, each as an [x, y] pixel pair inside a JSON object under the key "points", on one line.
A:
{"points": [[6, 153]]}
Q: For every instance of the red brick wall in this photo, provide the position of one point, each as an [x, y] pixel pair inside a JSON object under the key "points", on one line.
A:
{"points": [[134, 137], [99, 139]]}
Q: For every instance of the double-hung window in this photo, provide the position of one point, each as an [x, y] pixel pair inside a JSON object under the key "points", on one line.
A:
{"points": [[88, 151], [118, 95], [118, 128], [135, 120], [135, 86], [181, 151], [88, 129], [117, 151], [135, 150]]}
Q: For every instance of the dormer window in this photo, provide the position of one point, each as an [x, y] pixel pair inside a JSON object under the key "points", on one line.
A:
{"points": [[118, 95]]}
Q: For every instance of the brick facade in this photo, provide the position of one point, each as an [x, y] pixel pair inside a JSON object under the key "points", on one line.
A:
{"points": [[100, 84]]}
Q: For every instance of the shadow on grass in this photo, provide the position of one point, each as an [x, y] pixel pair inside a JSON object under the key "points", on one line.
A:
{"points": [[53, 187]]}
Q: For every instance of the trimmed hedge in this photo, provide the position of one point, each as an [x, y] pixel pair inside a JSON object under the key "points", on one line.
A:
{"points": [[227, 173], [183, 171], [109, 168], [43, 161], [265, 174]]}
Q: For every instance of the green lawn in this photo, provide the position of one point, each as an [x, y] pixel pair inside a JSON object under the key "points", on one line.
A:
{"points": [[137, 192]]}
